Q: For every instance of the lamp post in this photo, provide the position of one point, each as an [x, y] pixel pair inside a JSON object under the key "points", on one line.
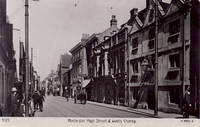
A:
{"points": [[26, 58]]}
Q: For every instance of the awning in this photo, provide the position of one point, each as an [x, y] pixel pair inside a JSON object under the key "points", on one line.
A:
{"points": [[85, 83]]}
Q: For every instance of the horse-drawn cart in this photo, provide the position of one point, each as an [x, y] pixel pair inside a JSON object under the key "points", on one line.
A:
{"points": [[80, 95]]}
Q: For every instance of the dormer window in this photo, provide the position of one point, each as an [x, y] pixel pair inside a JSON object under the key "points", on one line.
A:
{"points": [[151, 15]]}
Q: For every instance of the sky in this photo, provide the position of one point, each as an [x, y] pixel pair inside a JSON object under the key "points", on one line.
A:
{"points": [[56, 26]]}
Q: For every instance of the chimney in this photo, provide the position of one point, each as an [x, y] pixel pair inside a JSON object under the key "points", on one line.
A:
{"points": [[113, 21], [84, 37], [134, 12], [148, 2]]}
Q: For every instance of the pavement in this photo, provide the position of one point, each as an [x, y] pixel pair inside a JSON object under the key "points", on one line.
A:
{"points": [[147, 112]]}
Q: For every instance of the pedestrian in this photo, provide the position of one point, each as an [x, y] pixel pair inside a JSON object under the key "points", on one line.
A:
{"points": [[40, 100], [1, 110], [67, 95], [48, 92], [13, 101], [186, 103], [43, 92], [35, 99]]}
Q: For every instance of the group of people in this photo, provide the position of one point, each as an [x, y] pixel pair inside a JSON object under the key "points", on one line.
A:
{"points": [[38, 99], [16, 98]]}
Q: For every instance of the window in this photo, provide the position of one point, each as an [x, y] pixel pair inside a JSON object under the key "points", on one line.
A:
{"points": [[174, 27], [122, 60], [174, 67], [75, 57], [174, 61], [174, 96], [174, 31], [151, 38], [151, 15], [78, 54], [135, 67], [134, 46]]}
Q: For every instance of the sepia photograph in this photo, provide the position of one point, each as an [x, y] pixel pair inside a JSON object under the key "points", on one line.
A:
{"points": [[100, 63]]}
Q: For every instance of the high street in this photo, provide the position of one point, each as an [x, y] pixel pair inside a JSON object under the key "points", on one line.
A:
{"points": [[56, 106]]}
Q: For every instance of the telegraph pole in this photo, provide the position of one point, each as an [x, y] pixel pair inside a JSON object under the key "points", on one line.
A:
{"points": [[156, 59], [81, 66], [26, 58], [31, 74]]}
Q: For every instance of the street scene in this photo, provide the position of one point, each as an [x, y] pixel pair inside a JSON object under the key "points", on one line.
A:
{"points": [[60, 107], [100, 59]]}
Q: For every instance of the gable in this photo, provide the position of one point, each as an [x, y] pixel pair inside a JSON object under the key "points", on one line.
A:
{"points": [[150, 16], [173, 8], [137, 24]]}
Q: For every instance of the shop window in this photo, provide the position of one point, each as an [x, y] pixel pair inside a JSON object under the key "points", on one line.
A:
{"points": [[134, 46], [174, 95]]}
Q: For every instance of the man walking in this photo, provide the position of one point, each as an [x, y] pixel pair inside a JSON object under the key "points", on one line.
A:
{"points": [[35, 99], [13, 101], [40, 100]]}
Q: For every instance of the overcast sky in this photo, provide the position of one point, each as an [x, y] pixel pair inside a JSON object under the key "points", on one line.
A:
{"points": [[55, 26]]}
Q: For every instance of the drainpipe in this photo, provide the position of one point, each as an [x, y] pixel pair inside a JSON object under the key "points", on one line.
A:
{"points": [[128, 55], [156, 59], [183, 56], [26, 57]]}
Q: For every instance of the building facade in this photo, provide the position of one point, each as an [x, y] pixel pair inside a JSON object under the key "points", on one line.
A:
{"points": [[97, 61], [64, 66], [173, 55], [8, 75], [79, 65], [121, 62]]}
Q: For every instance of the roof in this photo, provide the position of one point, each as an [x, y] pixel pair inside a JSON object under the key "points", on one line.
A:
{"points": [[77, 46], [107, 32], [142, 14], [91, 38], [165, 6]]}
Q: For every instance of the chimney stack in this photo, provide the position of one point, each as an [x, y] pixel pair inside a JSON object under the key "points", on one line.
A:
{"points": [[148, 2], [84, 37], [113, 21], [134, 12]]}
